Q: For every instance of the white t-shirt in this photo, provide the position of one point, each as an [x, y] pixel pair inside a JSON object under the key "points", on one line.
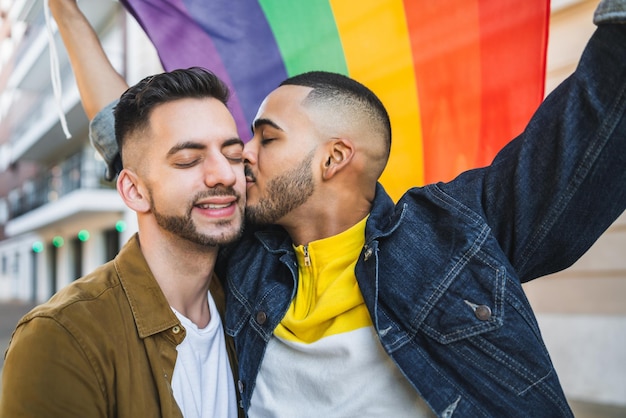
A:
{"points": [[202, 381]]}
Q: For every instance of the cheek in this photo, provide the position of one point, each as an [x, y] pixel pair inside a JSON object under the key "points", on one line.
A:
{"points": [[167, 193], [266, 159], [178, 186], [268, 165], [240, 183]]}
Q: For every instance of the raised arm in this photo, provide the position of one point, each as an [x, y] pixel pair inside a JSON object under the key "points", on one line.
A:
{"points": [[550, 193], [98, 81]]}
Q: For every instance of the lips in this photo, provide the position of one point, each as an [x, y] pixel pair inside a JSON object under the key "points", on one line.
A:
{"points": [[216, 198], [213, 205], [216, 202], [217, 207]]}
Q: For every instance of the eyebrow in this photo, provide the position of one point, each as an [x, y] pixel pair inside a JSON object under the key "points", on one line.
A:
{"points": [[261, 122], [196, 145], [233, 141], [185, 145]]}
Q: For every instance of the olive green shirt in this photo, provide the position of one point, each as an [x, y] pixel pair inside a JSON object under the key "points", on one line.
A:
{"points": [[104, 346]]}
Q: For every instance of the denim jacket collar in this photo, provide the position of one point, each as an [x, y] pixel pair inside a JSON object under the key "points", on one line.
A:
{"points": [[385, 217]]}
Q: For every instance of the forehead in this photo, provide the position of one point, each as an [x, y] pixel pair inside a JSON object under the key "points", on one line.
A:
{"points": [[284, 105], [190, 118]]}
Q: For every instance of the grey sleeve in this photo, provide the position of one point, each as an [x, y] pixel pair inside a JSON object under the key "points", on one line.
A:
{"points": [[102, 137], [610, 11]]}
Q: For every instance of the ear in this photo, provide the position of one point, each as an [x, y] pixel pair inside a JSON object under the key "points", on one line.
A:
{"points": [[131, 190], [340, 152]]}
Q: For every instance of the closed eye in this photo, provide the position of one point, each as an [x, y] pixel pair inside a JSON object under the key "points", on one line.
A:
{"points": [[263, 127], [236, 160], [233, 151], [186, 164]]}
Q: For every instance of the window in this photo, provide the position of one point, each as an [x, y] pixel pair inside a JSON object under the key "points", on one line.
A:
{"points": [[77, 258], [111, 243], [52, 266]]}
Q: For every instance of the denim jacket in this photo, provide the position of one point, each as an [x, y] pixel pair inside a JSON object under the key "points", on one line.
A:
{"points": [[441, 270]]}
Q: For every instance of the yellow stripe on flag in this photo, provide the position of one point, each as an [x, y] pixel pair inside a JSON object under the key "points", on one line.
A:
{"points": [[377, 49]]}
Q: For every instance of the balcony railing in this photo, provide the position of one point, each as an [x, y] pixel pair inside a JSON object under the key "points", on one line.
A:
{"points": [[79, 171]]}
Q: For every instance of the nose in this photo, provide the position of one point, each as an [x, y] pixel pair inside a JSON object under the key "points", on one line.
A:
{"points": [[250, 152], [220, 171]]}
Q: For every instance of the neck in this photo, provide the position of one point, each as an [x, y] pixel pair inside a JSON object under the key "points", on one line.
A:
{"points": [[322, 218], [183, 271]]}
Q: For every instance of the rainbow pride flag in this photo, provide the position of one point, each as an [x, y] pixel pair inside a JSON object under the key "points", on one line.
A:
{"points": [[460, 78]]}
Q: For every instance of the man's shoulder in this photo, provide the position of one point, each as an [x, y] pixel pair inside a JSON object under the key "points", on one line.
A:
{"points": [[83, 297]]}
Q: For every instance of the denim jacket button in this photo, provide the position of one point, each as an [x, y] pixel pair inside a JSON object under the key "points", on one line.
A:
{"points": [[483, 312], [240, 386], [261, 317], [368, 254]]}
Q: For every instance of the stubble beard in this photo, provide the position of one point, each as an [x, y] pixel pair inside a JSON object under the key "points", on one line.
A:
{"points": [[184, 227], [284, 193]]}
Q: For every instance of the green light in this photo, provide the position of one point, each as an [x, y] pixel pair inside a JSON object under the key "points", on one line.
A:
{"points": [[83, 235], [120, 226], [58, 241], [37, 246]]}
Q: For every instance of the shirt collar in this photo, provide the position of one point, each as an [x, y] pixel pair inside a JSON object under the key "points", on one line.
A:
{"points": [[151, 310]]}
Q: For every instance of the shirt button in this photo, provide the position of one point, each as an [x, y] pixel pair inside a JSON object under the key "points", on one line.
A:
{"points": [[176, 329], [240, 386], [261, 317], [483, 312]]}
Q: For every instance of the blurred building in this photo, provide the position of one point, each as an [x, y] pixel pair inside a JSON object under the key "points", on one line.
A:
{"points": [[60, 220]]}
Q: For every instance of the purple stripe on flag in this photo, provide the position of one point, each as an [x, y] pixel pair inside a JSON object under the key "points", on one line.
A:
{"points": [[245, 42], [231, 38], [182, 43]]}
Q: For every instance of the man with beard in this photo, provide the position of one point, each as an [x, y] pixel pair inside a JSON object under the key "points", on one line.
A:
{"points": [[343, 303], [142, 336]]}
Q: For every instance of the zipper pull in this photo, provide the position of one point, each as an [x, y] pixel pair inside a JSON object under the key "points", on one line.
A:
{"points": [[307, 258]]}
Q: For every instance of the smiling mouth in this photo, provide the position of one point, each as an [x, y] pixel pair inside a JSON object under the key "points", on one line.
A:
{"points": [[215, 200], [213, 205]]}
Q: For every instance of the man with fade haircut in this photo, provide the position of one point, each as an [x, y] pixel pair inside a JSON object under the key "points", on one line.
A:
{"points": [[142, 335]]}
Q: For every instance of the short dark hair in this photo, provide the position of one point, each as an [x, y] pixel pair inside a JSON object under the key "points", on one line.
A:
{"points": [[328, 86], [132, 113]]}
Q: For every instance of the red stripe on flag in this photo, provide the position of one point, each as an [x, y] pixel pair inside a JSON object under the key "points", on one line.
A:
{"points": [[479, 66]]}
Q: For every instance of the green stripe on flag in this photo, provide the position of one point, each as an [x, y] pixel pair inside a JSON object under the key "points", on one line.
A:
{"points": [[306, 35]]}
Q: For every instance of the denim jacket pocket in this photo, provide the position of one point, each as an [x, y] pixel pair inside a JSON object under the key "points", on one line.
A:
{"points": [[486, 332], [471, 305]]}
